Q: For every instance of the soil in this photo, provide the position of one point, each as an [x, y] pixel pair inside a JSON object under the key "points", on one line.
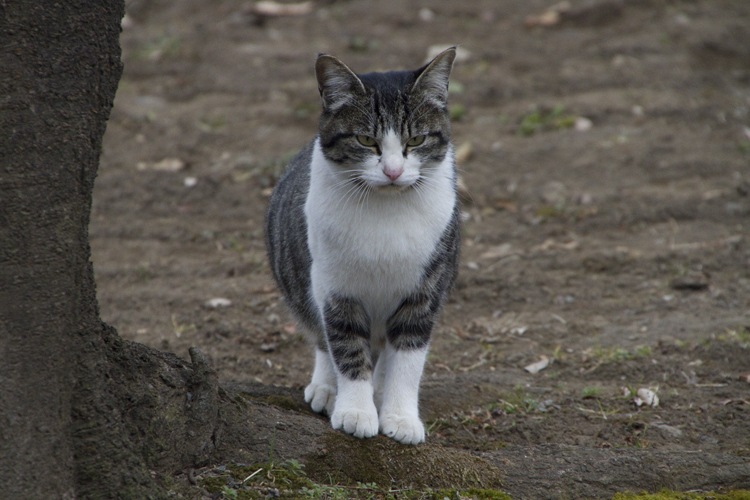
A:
{"points": [[605, 160]]}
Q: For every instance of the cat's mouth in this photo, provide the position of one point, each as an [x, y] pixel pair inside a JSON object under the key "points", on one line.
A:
{"points": [[393, 188]]}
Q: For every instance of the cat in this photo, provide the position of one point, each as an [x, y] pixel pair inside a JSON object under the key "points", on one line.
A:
{"points": [[363, 235]]}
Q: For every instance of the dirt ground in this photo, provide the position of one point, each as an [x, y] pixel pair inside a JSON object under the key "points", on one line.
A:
{"points": [[605, 160]]}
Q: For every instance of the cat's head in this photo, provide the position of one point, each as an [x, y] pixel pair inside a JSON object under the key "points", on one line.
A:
{"points": [[387, 130]]}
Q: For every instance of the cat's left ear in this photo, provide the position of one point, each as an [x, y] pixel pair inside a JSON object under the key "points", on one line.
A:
{"points": [[432, 79]]}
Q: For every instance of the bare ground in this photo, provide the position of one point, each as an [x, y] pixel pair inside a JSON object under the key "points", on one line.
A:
{"points": [[620, 253]]}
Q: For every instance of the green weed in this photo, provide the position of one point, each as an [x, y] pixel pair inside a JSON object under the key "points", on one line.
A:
{"points": [[541, 120]]}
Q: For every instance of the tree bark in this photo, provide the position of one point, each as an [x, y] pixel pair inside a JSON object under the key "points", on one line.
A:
{"points": [[59, 69]]}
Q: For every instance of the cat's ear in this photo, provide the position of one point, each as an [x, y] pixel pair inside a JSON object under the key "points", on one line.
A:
{"points": [[432, 79], [336, 82]]}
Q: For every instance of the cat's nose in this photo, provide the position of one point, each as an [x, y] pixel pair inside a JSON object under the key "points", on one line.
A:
{"points": [[393, 166], [393, 173]]}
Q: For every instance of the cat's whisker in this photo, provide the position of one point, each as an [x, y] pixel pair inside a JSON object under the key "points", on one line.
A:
{"points": [[350, 193], [361, 202], [348, 180]]}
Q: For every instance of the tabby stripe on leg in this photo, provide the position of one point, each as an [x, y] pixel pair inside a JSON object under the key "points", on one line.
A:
{"points": [[348, 332], [410, 326]]}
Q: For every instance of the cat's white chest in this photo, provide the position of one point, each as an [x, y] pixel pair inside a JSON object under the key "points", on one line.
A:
{"points": [[374, 249]]}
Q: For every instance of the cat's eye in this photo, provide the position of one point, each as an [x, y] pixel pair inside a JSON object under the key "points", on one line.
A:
{"points": [[415, 141], [366, 140]]}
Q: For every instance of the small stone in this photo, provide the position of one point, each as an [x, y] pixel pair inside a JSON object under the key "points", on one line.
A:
{"points": [[426, 15], [669, 430], [583, 124], [647, 397], [268, 347], [218, 302], [273, 318]]}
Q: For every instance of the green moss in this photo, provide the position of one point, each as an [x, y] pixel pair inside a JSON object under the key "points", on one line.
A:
{"points": [[240, 400], [486, 494], [677, 495], [213, 484], [249, 495], [380, 460], [285, 402], [288, 474]]}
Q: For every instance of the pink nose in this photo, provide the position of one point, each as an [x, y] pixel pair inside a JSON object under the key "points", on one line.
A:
{"points": [[393, 173]]}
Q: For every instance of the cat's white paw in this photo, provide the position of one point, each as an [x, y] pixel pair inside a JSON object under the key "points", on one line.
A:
{"points": [[362, 423], [405, 429], [322, 397]]}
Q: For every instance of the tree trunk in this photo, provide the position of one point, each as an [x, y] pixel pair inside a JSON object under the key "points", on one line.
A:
{"points": [[59, 69]]}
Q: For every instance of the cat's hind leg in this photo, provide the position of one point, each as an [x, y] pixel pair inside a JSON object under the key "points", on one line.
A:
{"points": [[321, 392]]}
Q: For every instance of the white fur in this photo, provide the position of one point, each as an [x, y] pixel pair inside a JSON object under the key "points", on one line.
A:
{"points": [[355, 411], [399, 410], [321, 393], [374, 248]]}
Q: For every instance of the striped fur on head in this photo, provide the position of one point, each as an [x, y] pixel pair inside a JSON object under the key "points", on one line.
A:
{"points": [[410, 103]]}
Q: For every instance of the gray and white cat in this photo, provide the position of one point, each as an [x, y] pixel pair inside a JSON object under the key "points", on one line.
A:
{"points": [[362, 233]]}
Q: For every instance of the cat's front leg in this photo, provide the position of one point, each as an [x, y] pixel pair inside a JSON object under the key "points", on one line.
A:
{"points": [[321, 392], [408, 334], [348, 334], [399, 412]]}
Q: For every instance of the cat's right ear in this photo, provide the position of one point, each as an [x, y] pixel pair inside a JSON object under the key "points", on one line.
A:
{"points": [[336, 82]]}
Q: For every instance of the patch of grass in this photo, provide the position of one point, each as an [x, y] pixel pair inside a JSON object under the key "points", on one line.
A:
{"points": [[241, 482], [457, 112], [739, 335], [744, 146], [180, 328], [591, 392], [212, 122], [456, 87], [609, 354], [517, 402], [643, 351], [679, 495], [235, 245], [541, 120], [161, 47], [143, 273]]}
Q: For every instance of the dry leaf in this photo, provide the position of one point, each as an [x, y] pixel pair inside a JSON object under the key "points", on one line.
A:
{"points": [[270, 8], [538, 366], [498, 252], [463, 152]]}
